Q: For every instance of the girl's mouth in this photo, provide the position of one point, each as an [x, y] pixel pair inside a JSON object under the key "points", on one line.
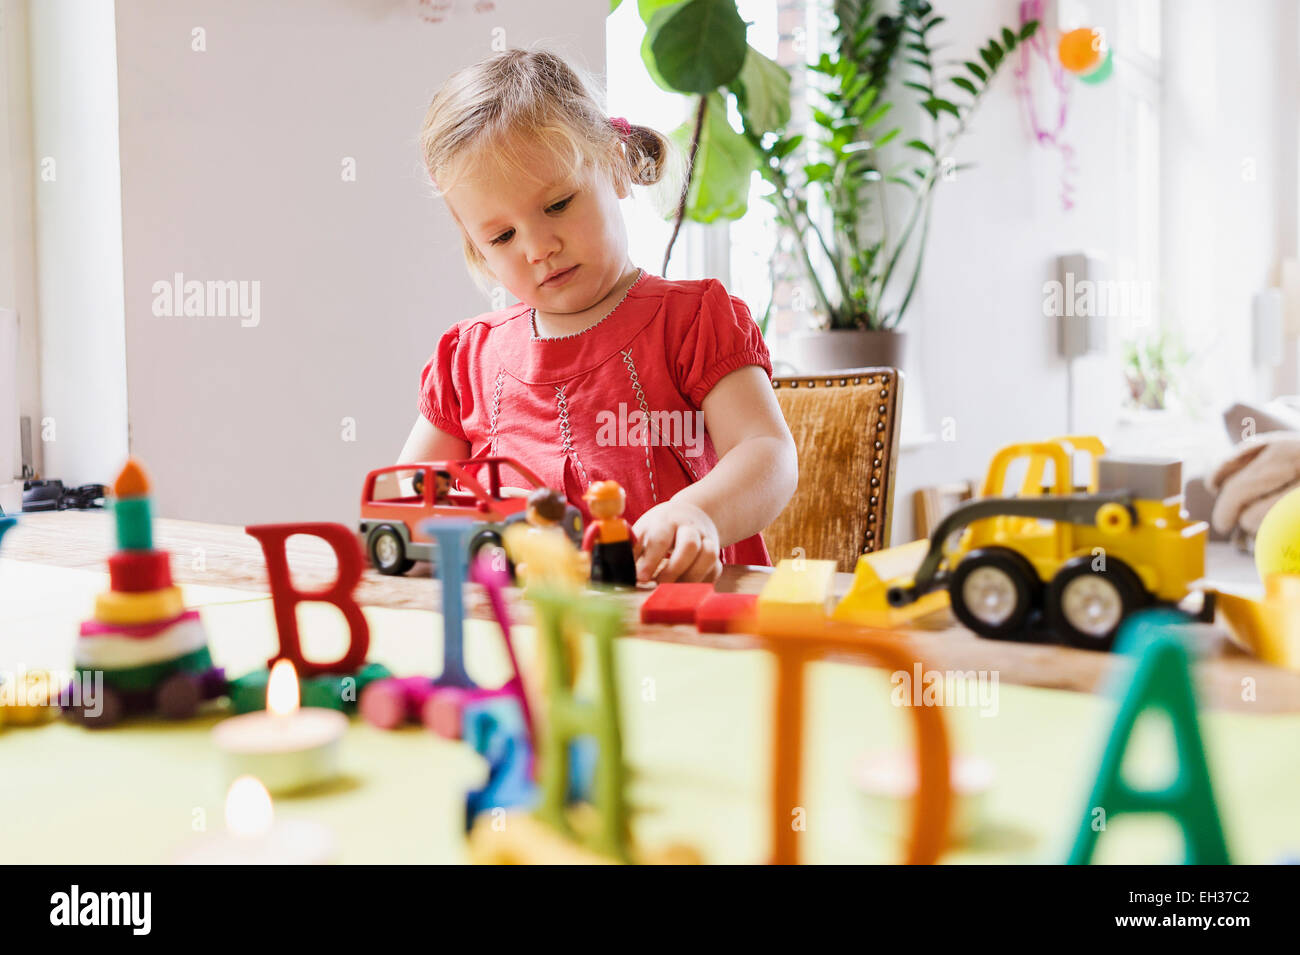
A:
{"points": [[560, 278]]}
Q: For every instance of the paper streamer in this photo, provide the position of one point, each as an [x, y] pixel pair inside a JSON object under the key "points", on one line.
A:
{"points": [[1053, 136]]}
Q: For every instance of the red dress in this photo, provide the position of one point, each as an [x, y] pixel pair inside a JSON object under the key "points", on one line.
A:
{"points": [[618, 401]]}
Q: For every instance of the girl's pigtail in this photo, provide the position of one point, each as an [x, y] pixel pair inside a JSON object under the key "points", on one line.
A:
{"points": [[648, 153]]}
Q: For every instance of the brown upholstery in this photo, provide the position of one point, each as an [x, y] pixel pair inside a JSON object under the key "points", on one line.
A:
{"points": [[845, 428]]}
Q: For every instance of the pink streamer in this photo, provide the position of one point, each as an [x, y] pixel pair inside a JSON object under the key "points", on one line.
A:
{"points": [[1054, 138]]}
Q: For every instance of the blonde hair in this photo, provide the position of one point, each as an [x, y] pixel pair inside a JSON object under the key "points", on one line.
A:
{"points": [[519, 98]]}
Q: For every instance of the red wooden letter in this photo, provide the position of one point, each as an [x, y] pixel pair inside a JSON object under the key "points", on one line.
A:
{"points": [[285, 597]]}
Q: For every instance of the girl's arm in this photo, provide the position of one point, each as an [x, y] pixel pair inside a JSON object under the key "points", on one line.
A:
{"points": [[751, 484], [424, 443], [427, 443]]}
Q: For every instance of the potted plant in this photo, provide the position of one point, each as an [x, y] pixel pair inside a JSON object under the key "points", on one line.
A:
{"points": [[834, 193]]}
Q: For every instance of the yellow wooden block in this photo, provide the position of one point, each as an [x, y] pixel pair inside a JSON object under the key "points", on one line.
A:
{"points": [[799, 587], [1268, 628], [520, 838], [29, 700], [148, 607]]}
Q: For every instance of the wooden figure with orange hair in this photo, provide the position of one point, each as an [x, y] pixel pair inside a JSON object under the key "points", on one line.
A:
{"points": [[609, 538]]}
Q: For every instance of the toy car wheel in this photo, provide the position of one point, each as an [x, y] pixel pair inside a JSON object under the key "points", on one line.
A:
{"points": [[1086, 607], [489, 542], [993, 591], [388, 552]]}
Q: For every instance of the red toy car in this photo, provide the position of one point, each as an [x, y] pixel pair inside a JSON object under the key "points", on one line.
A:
{"points": [[390, 523]]}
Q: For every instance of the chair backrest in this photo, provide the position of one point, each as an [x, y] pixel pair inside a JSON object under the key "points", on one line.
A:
{"points": [[845, 427]]}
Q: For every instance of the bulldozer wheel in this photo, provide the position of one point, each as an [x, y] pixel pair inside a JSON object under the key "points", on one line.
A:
{"points": [[993, 592], [1086, 607]]}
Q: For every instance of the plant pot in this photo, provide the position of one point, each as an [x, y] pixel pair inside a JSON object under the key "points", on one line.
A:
{"points": [[832, 350]]}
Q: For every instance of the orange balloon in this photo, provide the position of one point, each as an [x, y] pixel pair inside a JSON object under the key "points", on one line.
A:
{"points": [[1082, 50]]}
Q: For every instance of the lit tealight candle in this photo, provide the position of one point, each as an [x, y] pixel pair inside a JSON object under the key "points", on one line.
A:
{"points": [[254, 836], [286, 746]]}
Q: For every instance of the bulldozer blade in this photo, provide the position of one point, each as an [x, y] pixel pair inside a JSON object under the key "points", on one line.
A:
{"points": [[865, 603]]}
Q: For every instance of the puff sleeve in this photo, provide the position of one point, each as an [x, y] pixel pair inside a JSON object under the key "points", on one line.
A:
{"points": [[718, 338], [439, 398]]}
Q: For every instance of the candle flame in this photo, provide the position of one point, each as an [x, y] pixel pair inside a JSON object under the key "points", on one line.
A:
{"points": [[248, 808], [132, 481], [282, 689]]}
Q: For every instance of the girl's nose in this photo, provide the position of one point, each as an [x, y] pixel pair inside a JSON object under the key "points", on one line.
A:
{"points": [[541, 245]]}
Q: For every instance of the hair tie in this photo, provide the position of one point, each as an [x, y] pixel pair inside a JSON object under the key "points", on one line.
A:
{"points": [[622, 125]]}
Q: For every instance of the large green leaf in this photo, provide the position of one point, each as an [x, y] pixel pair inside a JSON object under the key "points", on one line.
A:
{"points": [[724, 164], [699, 45], [648, 8], [765, 91], [614, 5]]}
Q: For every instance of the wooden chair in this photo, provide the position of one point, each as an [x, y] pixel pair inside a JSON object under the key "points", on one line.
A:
{"points": [[845, 427], [930, 505]]}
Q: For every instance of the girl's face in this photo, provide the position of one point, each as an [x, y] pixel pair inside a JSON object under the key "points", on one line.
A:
{"points": [[555, 239]]}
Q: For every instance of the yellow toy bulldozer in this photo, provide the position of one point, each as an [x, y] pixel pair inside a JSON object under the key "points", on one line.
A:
{"points": [[1072, 560]]}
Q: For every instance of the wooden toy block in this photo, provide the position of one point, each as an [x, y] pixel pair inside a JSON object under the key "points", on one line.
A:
{"points": [[151, 607], [27, 701], [719, 612], [140, 571], [525, 840], [799, 588], [674, 603]]}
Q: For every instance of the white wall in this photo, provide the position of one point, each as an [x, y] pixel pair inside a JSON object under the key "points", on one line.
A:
{"points": [[232, 170]]}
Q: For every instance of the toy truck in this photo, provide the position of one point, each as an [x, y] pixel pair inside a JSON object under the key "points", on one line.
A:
{"points": [[1075, 561], [390, 520]]}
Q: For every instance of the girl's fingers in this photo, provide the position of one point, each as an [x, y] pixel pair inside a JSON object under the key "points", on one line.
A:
{"points": [[707, 566], [656, 544], [686, 547]]}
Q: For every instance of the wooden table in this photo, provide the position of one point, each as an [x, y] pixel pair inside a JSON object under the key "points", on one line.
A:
{"points": [[699, 742], [224, 556]]}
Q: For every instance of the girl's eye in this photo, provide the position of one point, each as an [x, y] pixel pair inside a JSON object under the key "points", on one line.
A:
{"points": [[559, 206], [504, 237]]}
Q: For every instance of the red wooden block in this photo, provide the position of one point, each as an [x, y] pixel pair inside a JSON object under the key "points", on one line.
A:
{"points": [[674, 603], [139, 571], [717, 612]]}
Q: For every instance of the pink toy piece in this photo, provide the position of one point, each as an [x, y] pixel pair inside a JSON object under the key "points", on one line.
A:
{"points": [[383, 704], [141, 631], [391, 702], [444, 710]]}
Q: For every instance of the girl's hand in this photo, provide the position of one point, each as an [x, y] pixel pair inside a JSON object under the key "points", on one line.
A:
{"points": [[683, 534]]}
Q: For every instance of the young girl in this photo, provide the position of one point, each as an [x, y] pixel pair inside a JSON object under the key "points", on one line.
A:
{"points": [[602, 371]]}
